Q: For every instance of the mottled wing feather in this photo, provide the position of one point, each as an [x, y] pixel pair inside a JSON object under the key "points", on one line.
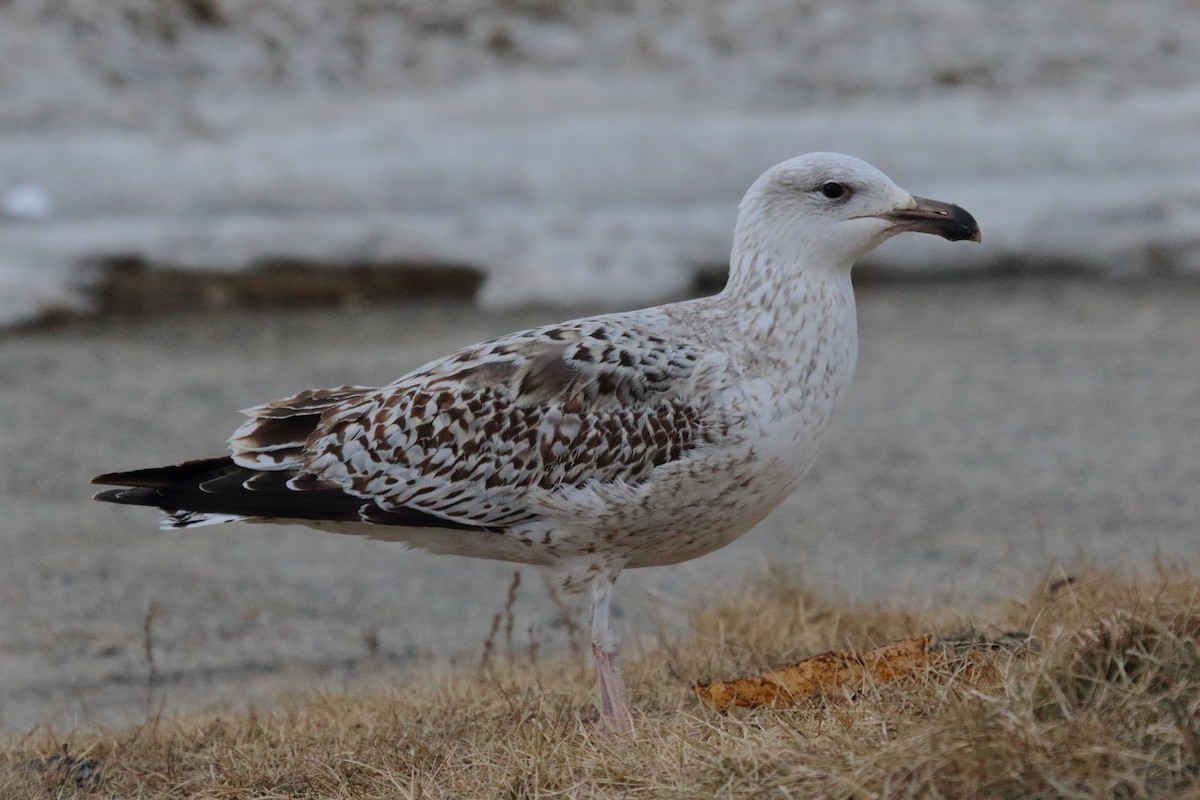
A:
{"points": [[274, 436], [465, 438]]}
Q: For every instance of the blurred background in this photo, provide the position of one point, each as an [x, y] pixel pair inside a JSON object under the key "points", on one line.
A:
{"points": [[205, 204]]}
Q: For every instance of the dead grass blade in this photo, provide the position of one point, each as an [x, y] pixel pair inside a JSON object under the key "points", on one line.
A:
{"points": [[1107, 704]]}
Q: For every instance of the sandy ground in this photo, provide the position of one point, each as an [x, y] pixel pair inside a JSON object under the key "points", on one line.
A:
{"points": [[996, 429]]}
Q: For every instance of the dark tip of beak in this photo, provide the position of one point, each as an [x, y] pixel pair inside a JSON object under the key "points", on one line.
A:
{"points": [[933, 216]]}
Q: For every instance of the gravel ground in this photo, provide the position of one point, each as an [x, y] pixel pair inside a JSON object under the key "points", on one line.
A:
{"points": [[997, 428]]}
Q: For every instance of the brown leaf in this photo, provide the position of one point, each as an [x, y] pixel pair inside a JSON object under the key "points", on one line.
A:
{"points": [[839, 671]]}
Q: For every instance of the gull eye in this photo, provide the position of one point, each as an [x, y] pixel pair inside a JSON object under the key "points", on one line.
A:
{"points": [[834, 190]]}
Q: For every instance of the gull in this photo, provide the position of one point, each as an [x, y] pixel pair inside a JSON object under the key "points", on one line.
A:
{"points": [[633, 439]]}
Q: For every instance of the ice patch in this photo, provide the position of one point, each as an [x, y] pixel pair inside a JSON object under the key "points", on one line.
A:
{"points": [[619, 209]]}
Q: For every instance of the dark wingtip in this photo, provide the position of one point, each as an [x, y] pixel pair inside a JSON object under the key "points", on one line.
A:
{"points": [[161, 477], [128, 497]]}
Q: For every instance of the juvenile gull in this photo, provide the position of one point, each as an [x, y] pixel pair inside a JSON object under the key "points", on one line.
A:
{"points": [[635, 439]]}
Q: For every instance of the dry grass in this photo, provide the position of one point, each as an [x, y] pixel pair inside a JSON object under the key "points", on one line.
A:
{"points": [[1107, 706]]}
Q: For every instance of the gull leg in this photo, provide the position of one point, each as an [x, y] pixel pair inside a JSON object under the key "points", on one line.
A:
{"points": [[614, 708]]}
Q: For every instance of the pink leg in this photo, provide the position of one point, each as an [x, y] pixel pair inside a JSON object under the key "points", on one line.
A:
{"points": [[614, 709]]}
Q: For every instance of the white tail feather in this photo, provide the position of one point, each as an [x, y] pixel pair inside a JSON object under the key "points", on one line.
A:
{"points": [[196, 519]]}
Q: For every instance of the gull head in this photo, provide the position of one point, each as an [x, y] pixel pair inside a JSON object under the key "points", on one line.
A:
{"points": [[829, 209]]}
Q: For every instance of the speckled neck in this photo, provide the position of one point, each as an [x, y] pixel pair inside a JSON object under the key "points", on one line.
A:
{"points": [[787, 311]]}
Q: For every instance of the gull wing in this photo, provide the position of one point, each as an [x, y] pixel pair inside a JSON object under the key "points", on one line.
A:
{"points": [[465, 438]]}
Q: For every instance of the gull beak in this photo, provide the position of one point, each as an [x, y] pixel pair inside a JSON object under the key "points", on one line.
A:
{"points": [[931, 216]]}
